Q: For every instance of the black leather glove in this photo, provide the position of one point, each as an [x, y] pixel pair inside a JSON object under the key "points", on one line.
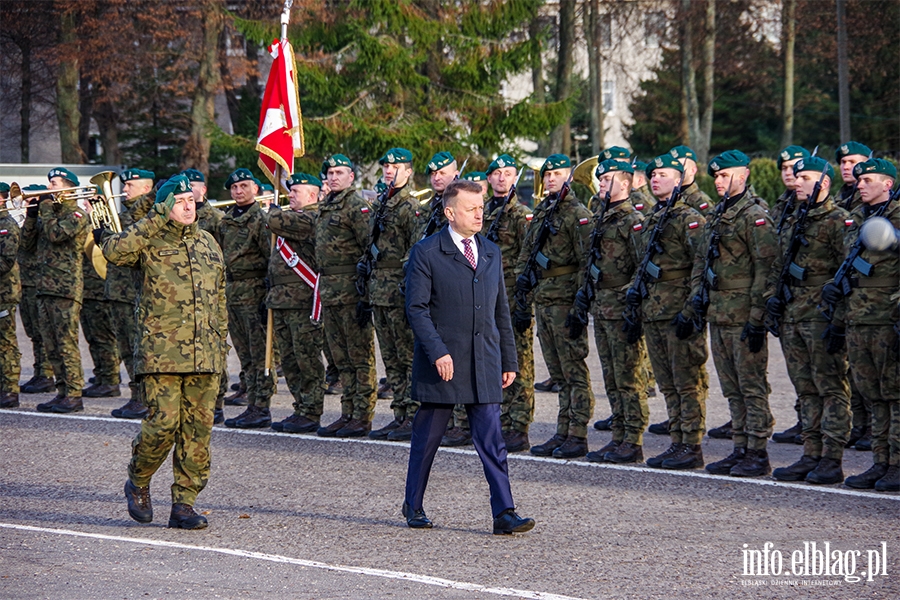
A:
{"points": [[834, 337], [98, 235], [684, 327], [755, 336], [831, 293], [582, 302], [775, 307], [575, 325], [633, 297], [363, 314], [697, 304], [521, 320], [32, 211], [362, 269], [263, 314], [633, 332], [523, 284]]}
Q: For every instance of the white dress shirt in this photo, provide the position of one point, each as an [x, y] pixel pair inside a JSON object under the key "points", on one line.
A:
{"points": [[457, 239]]}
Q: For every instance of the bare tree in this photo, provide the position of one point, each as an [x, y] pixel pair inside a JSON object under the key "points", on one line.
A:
{"points": [[789, 38], [690, 104], [843, 71], [709, 72], [592, 23], [203, 113], [67, 109], [560, 138]]}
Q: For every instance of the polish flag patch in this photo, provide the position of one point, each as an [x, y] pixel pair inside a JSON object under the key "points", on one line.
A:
{"points": [[529, 216], [704, 206], [639, 206], [583, 221], [4, 231], [638, 227], [848, 222], [693, 225], [760, 222], [364, 209], [418, 213], [77, 214]]}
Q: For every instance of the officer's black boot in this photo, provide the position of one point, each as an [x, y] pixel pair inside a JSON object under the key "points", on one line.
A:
{"points": [[690, 456], [867, 479], [754, 464], [827, 471], [723, 467], [796, 471]]}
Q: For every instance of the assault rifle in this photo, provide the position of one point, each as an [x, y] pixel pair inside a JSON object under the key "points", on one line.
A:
{"points": [[789, 207], [493, 233], [365, 266], [435, 219], [592, 275], [709, 280]]}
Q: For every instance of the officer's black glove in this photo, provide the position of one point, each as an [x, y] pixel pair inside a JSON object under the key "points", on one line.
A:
{"points": [[523, 284], [582, 302], [698, 305], [98, 235], [633, 297], [633, 331], [263, 314], [362, 269], [684, 327], [363, 314], [521, 320], [755, 336], [775, 307], [831, 293], [834, 337], [575, 324]]}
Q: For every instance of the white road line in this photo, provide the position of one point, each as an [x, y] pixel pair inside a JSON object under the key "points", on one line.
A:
{"points": [[277, 558], [513, 457]]}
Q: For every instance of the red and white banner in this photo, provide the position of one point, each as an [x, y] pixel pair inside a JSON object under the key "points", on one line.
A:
{"points": [[280, 137], [303, 271]]}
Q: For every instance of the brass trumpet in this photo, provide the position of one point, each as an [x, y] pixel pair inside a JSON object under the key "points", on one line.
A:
{"points": [[19, 198]]}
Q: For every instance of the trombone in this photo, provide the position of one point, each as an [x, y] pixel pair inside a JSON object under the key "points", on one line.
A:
{"points": [[264, 199]]}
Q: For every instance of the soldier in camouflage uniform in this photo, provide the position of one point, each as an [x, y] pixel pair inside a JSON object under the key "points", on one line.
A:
{"points": [[559, 277], [180, 350], [96, 324], [813, 348], [677, 350], [517, 407], [735, 271], [400, 231], [641, 197], [613, 262], [871, 314], [296, 310], [691, 194], [342, 234], [55, 232], [10, 295]]}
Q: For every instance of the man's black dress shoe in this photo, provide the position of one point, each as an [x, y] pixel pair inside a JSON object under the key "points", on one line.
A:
{"points": [[416, 519], [509, 522]]}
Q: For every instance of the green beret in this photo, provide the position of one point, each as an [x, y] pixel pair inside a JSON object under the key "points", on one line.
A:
{"points": [[323, 172], [501, 162], [4, 187], [303, 179], [683, 152], [267, 187], [34, 187], [664, 161], [814, 163], [239, 175], [475, 176], [336, 160], [178, 184], [64, 173], [639, 166], [728, 160], [790, 153], [194, 175], [611, 165], [258, 183], [396, 156], [380, 187], [132, 174], [438, 162], [875, 165], [555, 161], [851, 149], [615, 152]]}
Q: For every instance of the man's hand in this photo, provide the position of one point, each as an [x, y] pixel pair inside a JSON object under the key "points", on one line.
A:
{"points": [[755, 336], [698, 305], [521, 320], [684, 327], [508, 378], [582, 302], [362, 269], [834, 337], [444, 366], [633, 297], [523, 284], [831, 294], [775, 307], [363, 314]]}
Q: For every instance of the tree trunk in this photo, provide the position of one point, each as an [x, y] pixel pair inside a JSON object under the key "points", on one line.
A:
{"points": [[86, 109], [690, 110], [203, 112], [108, 122], [67, 113], [595, 81], [843, 72], [231, 92], [709, 72], [789, 27], [25, 109], [561, 138], [537, 71]]}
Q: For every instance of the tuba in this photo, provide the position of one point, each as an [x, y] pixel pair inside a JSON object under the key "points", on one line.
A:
{"points": [[584, 174], [104, 215]]}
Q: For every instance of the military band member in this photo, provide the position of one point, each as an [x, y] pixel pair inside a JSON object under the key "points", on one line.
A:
{"points": [[10, 296]]}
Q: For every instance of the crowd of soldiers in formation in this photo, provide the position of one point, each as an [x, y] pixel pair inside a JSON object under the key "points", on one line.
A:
{"points": [[663, 271]]}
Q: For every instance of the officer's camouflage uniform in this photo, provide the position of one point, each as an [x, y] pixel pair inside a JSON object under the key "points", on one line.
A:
{"points": [[624, 375], [819, 378], [291, 300], [748, 247], [679, 365], [56, 236], [28, 310], [553, 300], [96, 324], [341, 237], [517, 406], [181, 345], [10, 295], [209, 217], [246, 247]]}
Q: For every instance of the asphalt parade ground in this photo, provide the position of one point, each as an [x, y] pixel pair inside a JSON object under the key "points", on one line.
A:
{"points": [[297, 516]]}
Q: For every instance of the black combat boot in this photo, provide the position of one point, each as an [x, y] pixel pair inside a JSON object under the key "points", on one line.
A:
{"points": [[38, 385], [754, 464], [661, 428], [9, 400], [299, 424], [354, 428], [381, 434], [657, 461], [827, 471], [139, 507], [218, 416], [330, 430], [625, 453], [787, 436], [690, 456], [866, 480], [723, 467], [456, 436], [600, 455], [864, 444], [184, 517], [133, 409], [101, 390], [516, 441], [891, 480], [239, 398], [67, 404], [721, 433], [796, 471], [547, 448], [604, 424], [254, 417], [402, 433], [856, 434], [573, 447]]}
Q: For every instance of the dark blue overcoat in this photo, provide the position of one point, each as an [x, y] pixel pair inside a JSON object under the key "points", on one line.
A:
{"points": [[456, 310]]}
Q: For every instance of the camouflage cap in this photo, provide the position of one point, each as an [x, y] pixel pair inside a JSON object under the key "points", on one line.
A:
{"points": [[336, 160], [852, 149], [475, 176], [438, 162], [304, 179], [4, 187], [239, 175], [133, 174], [664, 161], [177, 184], [728, 160], [790, 153], [555, 161], [396, 156], [814, 163], [501, 162], [194, 175], [875, 165], [611, 165], [682, 152], [615, 152], [64, 173]]}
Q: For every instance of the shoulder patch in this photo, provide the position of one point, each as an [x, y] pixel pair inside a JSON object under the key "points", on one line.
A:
{"points": [[759, 222], [418, 213], [639, 206], [704, 206], [364, 209], [77, 214], [4, 231], [849, 222], [584, 221], [529, 216], [693, 225], [638, 226]]}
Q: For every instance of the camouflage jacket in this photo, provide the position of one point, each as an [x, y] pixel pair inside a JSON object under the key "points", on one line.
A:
{"points": [[246, 246], [181, 312], [843, 195], [93, 287], [56, 237], [510, 235], [209, 218], [641, 201], [424, 214], [825, 226], [10, 286], [401, 231], [680, 242], [697, 199], [342, 233], [871, 302], [566, 251], [778, 208], [747, 247], [298, 228], [123, 283], [617, 236], [28, 262]]}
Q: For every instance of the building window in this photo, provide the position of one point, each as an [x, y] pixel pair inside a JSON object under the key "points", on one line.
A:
{"points": [[606, 31], [609, 95], [654, 29]]}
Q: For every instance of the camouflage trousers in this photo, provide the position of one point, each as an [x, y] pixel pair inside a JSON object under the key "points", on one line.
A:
{"points": [[876, 370], [395, 339], [125, 326], [28, 310], [331, 371], [353, 350], [10, 357], [249, 337], [565, 359], [680, 368], [645, 359], [300, 341], [59, 331], [860, 407], [820, 380], [742, 375], [625, 380], [97, 326], [180, 414]]}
